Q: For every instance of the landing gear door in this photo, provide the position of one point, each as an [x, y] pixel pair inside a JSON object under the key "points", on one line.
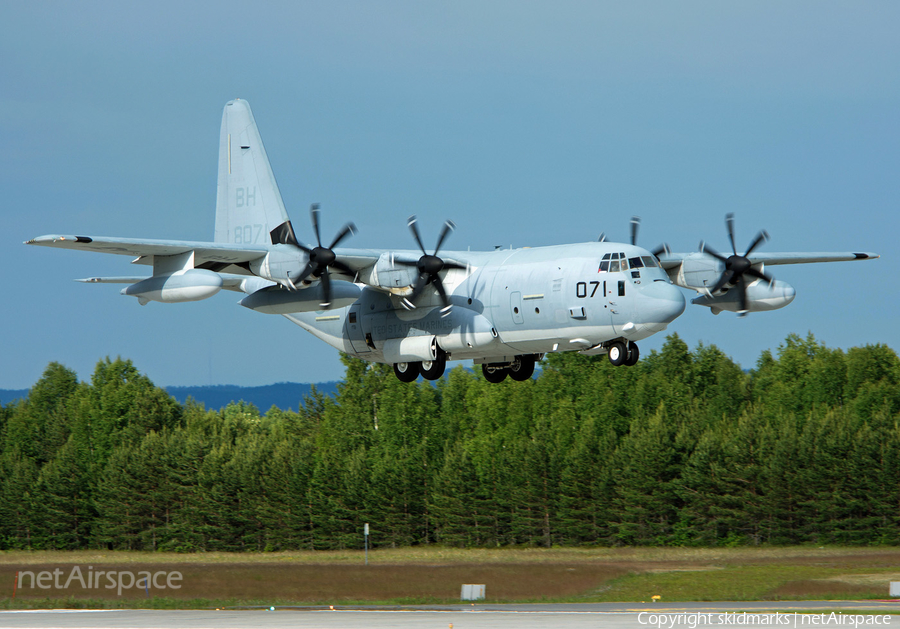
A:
{"points": [[355, 331]]}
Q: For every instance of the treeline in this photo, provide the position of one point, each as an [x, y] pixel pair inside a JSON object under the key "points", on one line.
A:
{"points": [[682, 449]]}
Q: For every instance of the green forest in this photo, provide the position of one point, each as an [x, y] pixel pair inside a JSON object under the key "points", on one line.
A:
{"points": [[684, 449]]}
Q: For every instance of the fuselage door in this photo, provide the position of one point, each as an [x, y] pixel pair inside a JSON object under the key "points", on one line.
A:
{"points": [[355, 331]]}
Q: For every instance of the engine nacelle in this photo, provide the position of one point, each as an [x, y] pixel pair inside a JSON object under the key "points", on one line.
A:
{"points": [[283, 264], [391, 277], [187, 285], [278, 300], [760, 297]]}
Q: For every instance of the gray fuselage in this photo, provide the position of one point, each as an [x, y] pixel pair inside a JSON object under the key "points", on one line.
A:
{"points": [[512, 302]]}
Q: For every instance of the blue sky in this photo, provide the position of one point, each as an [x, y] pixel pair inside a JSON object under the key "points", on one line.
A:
{"points": [[526, 123]]}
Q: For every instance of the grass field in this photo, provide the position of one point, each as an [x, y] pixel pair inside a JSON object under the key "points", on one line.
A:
{"points": [[433, 575]]}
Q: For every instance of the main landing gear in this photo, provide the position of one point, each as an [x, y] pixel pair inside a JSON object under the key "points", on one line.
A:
{"points": [[623, 353], [407, 372], [520, 369], [429, 369], [433, 369]]}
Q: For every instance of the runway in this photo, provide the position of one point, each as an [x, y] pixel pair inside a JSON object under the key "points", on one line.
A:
{"points": [[613, 615]]}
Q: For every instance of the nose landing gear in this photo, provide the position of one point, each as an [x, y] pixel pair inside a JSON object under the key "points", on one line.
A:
{"points": [[633, 354], [623, 353]]}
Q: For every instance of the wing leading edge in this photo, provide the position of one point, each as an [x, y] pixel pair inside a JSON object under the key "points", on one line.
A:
{"points": [[217, 257], [672, 260], [145, 248]]}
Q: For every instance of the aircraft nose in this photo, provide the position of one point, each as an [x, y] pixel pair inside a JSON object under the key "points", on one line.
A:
{"points": [[664, 302]]}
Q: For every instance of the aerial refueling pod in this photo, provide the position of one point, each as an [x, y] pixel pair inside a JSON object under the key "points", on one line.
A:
{"points": [[760, 296], [278, 300], [187, 285]]}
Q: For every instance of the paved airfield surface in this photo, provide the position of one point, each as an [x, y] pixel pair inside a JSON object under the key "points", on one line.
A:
{"points": [[613, 615]]}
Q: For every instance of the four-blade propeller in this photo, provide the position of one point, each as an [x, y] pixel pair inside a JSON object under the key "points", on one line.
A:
{"points": [[635, 224], [430, 266], [322, 258], [737, 266]]}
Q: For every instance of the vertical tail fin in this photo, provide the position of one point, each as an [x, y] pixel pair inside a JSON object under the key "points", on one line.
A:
{"points": [[249, 208]]}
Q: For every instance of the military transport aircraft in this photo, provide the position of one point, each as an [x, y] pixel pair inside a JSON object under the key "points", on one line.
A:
{"points": [[503, 309]]}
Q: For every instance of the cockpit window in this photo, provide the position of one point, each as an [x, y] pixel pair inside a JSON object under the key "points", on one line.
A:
{"points": [[649, 261], [617, 262]]}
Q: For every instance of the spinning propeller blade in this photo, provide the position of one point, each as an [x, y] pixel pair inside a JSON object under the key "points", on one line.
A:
{"points": [[322, 258], [430, 266], [635, 225], [737, 267]]}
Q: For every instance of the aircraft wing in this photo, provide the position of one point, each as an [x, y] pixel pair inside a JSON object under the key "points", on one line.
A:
{"points": [[806, 258], [672, 260], [204, 252]]}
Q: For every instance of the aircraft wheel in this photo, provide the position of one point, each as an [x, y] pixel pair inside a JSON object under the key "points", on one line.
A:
{"points": [[494, 375], [407, 372], [633, 354], [434, 369], [617, 353], [522, 369]]}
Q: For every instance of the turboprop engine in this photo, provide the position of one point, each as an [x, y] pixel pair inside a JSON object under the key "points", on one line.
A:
{"points": [[186, 285], [760, 296]]}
